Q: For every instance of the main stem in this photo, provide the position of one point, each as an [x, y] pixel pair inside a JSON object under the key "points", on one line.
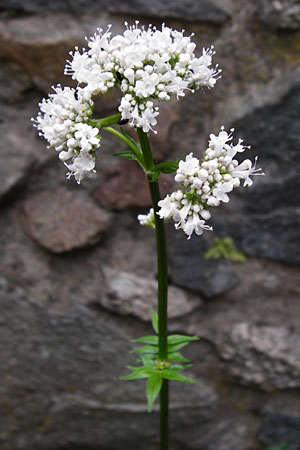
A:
{"points": [[162, 296]]}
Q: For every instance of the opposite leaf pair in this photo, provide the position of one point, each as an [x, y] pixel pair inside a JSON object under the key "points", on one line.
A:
{"points": [[154, 369]]}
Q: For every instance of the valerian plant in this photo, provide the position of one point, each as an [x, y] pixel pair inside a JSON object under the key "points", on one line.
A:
{"points": [[148, 66]]}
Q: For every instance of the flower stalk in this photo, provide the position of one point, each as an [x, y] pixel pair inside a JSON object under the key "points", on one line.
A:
{"points": [[162, 296]]}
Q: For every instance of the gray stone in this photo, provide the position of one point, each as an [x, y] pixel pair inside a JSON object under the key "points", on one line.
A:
{"points": [[190, 270], [13, 83], [60, 220], [272, 204], [60, 381], [265, 355], [128, 293], [278, 428], [20, 152], [228, 434], [202, 11], [284, 14]]}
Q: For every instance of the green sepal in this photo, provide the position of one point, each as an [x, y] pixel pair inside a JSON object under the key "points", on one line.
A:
{"points": [[153, 387], [152, 340], [170, 374], [154, 318], [126, 154]]}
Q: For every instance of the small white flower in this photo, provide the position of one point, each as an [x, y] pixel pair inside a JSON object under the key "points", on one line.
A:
{"points": [[147, 220], [82, 166]]}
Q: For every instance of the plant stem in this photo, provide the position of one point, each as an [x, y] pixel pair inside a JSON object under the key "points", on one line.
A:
{"points": [[162, 271], [127, 141]]}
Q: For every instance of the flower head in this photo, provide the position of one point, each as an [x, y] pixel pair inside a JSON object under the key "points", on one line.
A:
{"points": [[207, 183], [62, 121], [147, 65]]}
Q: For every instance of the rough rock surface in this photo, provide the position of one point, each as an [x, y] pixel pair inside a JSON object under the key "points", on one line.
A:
{"points": [[207, 277], [131, 294], [124, 185], [204, 11], [20, 150], [280, 428], [263, 210], [265, 355], [283, 14], [63, 371], [72, 223]]}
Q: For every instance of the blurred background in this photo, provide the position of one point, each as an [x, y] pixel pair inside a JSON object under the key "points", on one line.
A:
{"points": [[78, 273]]}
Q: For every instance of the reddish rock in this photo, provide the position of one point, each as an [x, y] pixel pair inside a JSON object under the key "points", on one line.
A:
{"points": [[61, 221], [125, 186]]}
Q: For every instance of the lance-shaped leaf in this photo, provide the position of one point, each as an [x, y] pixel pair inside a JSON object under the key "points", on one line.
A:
{"points": [[167, 167], [154, 318], [129, 154], [178, 341], [176, 356], [153, 387], [137, 372], [174, 375], [147, 349], [152, 340]]}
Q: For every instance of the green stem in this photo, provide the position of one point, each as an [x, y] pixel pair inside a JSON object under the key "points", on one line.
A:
{"points": [[127, 141], [106, 121], [162, 270]]}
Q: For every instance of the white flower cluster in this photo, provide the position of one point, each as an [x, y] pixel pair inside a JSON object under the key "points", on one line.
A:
{"points": [[206, 184], [147, 65], [62, 121]]}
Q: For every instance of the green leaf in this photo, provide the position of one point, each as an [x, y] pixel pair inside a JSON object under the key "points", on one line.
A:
{"points": [[173, 375], [147, 360], [167, 166], [178, 341], [155, 175], [126, 154], [152, 340], [174, 339], [154, 318], [137, 372], [224, 248], [148, 349], [153, 387], [176, 356]]}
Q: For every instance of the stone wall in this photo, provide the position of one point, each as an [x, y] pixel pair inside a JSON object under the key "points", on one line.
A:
{"points": [[78, 272]]}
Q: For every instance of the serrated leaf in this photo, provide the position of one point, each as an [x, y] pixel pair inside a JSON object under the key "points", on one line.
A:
{"points": [[154, 318], [148, 349], [176, 356], [173, 375], [153, 387], [126, 154], [152, 340]]}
